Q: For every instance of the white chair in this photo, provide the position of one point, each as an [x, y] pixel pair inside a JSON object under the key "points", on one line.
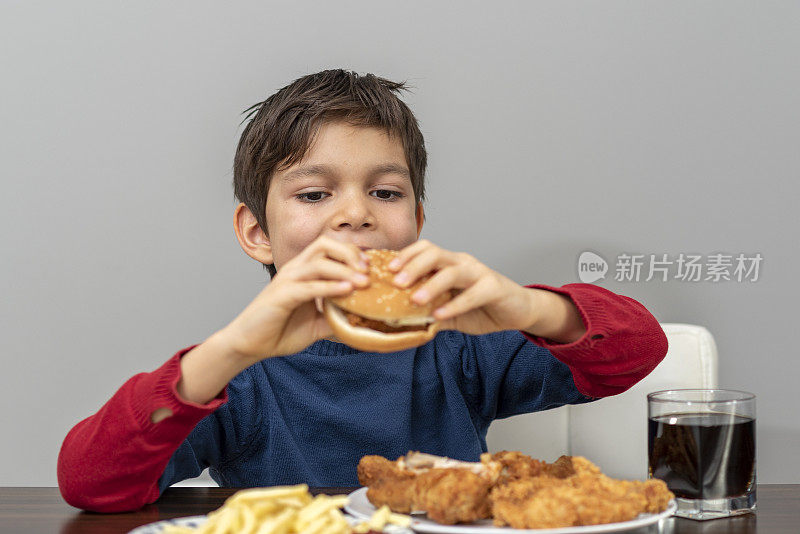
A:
{"points": [[202, 481], [612, 432]]}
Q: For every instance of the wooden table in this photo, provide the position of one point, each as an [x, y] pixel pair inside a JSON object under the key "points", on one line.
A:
{"points": [[42, 510]]}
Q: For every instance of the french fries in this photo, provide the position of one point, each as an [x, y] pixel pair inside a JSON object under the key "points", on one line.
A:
{"points": [[287, 510]]}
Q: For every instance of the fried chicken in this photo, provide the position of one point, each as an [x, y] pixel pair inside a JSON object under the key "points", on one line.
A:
{"points": [[585, 496], [455, 495], [510, 487], [389, 483], [449, 491], [516, 465]]}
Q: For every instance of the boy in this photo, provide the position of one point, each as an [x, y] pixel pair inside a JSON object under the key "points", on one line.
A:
{"points": [[332, 164]]}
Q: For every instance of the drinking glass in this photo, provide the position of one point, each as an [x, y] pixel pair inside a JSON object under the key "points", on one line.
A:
{"points": [[702, 443]]}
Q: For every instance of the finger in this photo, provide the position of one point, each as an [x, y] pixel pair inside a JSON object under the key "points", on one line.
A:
{"points": [[346, 253], [308, 291], [444, 280], [328, 269], [428, 260], [474, 297], [407, 253]]}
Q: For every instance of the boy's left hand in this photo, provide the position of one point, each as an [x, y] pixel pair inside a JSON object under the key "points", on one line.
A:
{"points": [[486, 301]]}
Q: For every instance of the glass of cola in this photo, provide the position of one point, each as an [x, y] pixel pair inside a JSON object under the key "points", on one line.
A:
{"points": [[702, 443]]}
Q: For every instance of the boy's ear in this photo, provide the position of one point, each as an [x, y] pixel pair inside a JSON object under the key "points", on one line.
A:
{"points": [[420, 218], [251, 238]]}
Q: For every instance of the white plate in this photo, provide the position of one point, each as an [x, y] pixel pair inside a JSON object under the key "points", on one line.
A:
{"points": [[197, 520], [360, 507], [156, 528]]}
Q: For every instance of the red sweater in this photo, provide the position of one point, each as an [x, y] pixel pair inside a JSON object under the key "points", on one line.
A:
{"points": [[112, 460]]}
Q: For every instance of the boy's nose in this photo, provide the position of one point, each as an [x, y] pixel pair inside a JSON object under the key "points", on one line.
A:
{"points": [[353, 214]]}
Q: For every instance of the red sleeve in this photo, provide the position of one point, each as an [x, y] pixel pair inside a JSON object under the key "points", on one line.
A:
{"points": [[622, 344], [111, 461]]}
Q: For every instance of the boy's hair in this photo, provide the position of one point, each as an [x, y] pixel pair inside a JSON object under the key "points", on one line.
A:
{"points": [[284, 125]]}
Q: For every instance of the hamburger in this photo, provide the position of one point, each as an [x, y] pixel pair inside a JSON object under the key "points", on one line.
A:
{"points": [[381, 317]]}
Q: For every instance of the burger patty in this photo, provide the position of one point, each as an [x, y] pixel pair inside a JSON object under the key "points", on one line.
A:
{"points": [[380, 326]]}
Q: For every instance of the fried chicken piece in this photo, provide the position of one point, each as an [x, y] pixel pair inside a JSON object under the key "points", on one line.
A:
{"points": [[389, 483], [449, 491], [549, 502], [572, 492]]}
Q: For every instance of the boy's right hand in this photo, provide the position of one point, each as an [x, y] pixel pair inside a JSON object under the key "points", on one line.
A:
{"points": [[283, 318]]}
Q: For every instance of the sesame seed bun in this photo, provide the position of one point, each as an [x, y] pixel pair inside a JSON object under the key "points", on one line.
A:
{"points": [[382, 317]]}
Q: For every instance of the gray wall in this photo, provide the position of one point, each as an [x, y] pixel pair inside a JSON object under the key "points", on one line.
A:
{"points": [[552, 128]]}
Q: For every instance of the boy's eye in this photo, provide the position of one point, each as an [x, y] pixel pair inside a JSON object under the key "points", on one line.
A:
{"points": [[311, 196], [387, 194]]}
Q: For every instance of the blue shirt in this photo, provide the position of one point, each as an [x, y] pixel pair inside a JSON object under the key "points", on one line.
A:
{"points": [[310, 417]]}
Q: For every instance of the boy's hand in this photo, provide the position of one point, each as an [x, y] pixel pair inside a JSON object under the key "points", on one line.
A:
{"points": [[283, 318], [485, 300]]}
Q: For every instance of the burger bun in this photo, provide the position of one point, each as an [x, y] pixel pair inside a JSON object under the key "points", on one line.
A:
{"points": [[382, 317]]}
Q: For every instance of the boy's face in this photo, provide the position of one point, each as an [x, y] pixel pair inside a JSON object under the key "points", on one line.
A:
{"points": [[353, 185]]}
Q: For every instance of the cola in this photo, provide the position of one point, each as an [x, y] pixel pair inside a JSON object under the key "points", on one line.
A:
{"points": [[703, 455]]}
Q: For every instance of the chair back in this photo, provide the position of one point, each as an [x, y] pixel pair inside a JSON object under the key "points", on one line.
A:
{"points": [[612, 432]]}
